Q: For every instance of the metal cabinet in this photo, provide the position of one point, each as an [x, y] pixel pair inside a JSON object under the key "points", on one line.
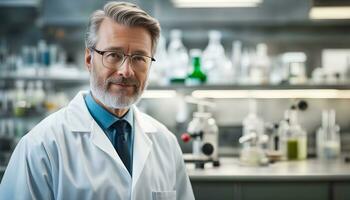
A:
{"points": [[341, 191], [285, 191], [272, 190], [205, 190]]}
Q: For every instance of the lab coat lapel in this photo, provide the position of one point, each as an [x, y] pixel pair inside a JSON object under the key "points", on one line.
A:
{"points": [[142, 145], [80, 120], [100, 139]]}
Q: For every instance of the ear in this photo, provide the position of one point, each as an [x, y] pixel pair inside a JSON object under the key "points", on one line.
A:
{"points": [[88, 59]]}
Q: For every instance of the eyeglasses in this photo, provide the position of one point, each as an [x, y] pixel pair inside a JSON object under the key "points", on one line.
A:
{"points": [[115, 59]]}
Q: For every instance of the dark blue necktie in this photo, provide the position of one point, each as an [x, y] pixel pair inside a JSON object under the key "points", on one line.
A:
{"points": [[121, 141]]}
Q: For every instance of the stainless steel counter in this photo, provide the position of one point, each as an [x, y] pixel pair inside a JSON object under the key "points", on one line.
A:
{"points": [[308, 170]]}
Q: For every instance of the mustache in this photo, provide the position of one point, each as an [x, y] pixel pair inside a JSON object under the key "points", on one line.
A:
{"points": [[123, 81]]}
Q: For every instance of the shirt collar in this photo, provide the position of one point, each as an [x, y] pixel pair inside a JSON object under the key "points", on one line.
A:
{"points": [[102, 116]]}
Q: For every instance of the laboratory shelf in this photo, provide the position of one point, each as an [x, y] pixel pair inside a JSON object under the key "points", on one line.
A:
{"points": [[52, 78], [307, 91], [227, 91], [83, 77], [340, 86]]}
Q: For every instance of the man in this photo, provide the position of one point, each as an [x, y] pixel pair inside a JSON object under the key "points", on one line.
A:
{"points": [[100, 146]]}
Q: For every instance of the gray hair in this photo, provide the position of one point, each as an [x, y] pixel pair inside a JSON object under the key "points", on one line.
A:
{"points": [[124, 13]]}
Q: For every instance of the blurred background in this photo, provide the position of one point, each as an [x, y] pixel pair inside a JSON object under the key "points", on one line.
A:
{"points": [[260, 64]]}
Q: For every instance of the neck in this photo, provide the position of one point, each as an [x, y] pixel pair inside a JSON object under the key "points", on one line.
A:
{"points": [[119, 112]]}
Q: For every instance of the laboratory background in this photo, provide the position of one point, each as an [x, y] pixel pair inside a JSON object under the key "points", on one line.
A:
{"points": [[257, 92]]}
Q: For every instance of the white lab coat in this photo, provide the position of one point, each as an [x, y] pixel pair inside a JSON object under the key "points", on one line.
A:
{"points": [[68, 156]]}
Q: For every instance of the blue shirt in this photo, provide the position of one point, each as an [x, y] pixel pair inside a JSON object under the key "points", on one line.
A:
{"points": [[105, 120]]}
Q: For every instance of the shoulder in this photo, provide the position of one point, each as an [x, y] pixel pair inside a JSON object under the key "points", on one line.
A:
{"points": [[44, 140], [48, 128]]}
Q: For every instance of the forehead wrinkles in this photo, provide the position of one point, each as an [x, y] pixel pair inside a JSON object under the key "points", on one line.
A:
{"points": [[112, 34]]}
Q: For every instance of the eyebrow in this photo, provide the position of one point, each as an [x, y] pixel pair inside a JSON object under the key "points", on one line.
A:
{"points": [[119, 49], [114, 49], [140, 52]]}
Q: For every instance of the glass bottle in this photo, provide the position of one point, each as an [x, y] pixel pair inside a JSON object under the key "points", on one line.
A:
{"points": [[296, 138], [158, 74], [259, 71], [20, 103], [236, 58], [39, 96], [197, 77], [44, 53], [246, 64], [29, 95], [327, 138], [215, 63], [178, 58]]}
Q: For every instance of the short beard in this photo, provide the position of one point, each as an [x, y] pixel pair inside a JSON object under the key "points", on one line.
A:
{"points": [[115, 101]]}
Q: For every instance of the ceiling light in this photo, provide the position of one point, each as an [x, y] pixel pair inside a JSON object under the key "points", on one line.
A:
{"points": [[273, 94], [330, 12], [215, 4]]}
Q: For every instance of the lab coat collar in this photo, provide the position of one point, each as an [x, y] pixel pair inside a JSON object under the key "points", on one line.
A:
{"points": [[79, 117], [80, 120]]}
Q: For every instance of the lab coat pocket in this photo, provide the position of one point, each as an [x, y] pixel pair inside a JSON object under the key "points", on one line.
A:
{"points": [[164, 195]]}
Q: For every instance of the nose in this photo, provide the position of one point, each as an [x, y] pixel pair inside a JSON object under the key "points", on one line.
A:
{"points": [[126, 69]]}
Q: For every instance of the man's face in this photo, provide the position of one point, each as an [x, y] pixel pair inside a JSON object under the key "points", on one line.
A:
{"points": [[123, 86]]}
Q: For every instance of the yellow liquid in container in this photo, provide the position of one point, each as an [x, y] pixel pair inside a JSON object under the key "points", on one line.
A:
{"points": [[292, 149]]}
